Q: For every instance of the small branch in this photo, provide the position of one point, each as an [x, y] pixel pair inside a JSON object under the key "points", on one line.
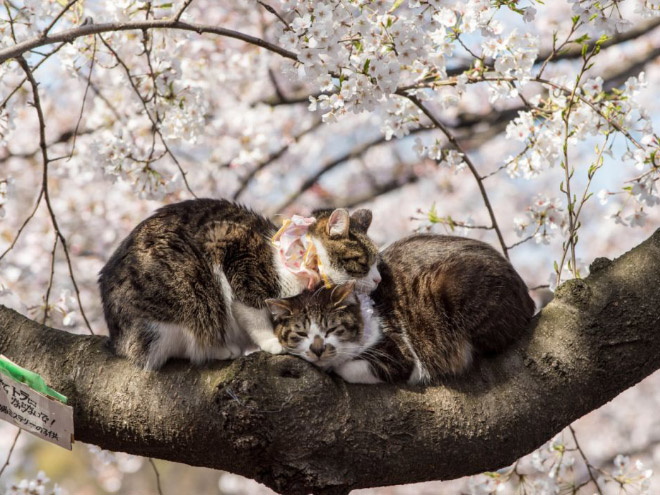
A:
{"points": [[526, 239], [50, 280], [553, 53], [24, 224], [586, 461], [178, 15], [468, 162], [274, 12], [379, 190], [154, 121], [44, 182], [593, 107], [11, 21], [44, 34], [11, 451], [273, 157], [276, 86], [309, 182], [62, 138], [36, 66], [153, 465], [84, 98]]}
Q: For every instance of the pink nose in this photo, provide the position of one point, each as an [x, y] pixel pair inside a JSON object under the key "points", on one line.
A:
{"points": [[377, 279]]}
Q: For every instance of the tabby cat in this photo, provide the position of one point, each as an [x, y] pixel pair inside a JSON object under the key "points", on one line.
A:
{"points": [[442, 301], [190, 281]]}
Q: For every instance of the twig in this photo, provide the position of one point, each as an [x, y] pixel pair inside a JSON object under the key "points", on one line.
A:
{"points": [[586, 461], [44, 182], [82, 105], [594, 108], [274, 12], [379, 190], [468, 162], [11, 22], [154, 122], [274, 156], [44, 34], [50, 280], [178, 15], [526, 239], [11, 451], [576, 215], [278, 91], [153, 465], [553, 53], [24, 224], [309, 182], [36, 66], [62, 138]]}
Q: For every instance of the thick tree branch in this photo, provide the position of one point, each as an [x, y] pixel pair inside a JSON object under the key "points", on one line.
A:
{"points": [[283, 422]]}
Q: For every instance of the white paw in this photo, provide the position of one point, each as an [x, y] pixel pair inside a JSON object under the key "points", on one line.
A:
{"points": [[357, 371], [234, 352], [272, 346]]}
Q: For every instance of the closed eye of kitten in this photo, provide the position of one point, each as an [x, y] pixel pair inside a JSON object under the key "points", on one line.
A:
{"points": [[323, 327]]}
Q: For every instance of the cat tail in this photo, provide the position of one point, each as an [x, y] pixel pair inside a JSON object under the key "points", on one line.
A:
{"points": [[139, 343]]}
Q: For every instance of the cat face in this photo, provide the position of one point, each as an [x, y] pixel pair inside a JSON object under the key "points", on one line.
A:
{"points": [[344, 249], [323, 327]]}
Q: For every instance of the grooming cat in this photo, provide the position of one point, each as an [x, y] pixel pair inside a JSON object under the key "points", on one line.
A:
{"points": [[442, 301], [190, 281]]}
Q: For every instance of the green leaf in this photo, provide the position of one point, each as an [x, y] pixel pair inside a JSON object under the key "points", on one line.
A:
{"points": [[396, 5]]}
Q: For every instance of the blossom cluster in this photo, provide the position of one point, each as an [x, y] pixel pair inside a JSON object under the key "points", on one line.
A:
{"points": [[559, 467], [36, 486], [545, 216], [5, 189]]}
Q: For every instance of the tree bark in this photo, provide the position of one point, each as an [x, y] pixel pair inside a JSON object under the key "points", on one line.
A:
{"points": [[283, 422]]}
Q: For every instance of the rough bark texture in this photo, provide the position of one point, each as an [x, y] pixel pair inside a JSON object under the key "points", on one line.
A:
{"points": [[281, 421]]}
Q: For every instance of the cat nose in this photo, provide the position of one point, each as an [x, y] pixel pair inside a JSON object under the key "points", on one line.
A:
{"points": [[318, 346], [377, 279]]}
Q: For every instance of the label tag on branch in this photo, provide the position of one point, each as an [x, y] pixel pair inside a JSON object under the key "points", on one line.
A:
{"points": [[27, 402]]}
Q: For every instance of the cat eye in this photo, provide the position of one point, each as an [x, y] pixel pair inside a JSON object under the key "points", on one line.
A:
{"points": [[337, 330], [301, 334]]}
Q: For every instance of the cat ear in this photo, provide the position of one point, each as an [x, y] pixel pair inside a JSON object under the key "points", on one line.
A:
{"points": [[279, 307], [361, 219], [338, 223], [341, 293]]}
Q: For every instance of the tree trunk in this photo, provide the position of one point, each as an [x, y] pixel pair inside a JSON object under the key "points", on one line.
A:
{"points": [[283, 422]]}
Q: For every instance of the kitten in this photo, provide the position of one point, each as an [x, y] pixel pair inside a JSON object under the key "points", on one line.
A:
{"points": [[442, 301], [190, 281]]}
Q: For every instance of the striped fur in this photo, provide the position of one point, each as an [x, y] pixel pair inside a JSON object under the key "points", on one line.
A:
{"points": [[443, 301]]}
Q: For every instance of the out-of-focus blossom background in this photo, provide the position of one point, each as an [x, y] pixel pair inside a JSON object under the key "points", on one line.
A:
{"points": [[137, 119]]}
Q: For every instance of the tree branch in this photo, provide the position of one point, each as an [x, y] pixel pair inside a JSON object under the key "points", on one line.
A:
{"points": [[69, 35], [281, 421], [468, 161]]}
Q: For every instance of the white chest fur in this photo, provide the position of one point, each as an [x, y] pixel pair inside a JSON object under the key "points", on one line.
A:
{"points": [[372, 331]]}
